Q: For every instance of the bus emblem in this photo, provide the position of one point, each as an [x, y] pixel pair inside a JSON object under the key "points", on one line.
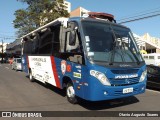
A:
{"points": [[63, 66]]}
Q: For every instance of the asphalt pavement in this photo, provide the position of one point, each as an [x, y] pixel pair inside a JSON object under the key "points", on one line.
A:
{"points": [[17, 93]]}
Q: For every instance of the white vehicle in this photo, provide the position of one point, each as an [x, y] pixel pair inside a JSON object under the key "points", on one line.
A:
{"points": [[17, 64], [152, 59]]}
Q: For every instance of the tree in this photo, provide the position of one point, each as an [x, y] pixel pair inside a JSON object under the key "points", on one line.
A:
{"points": [[38, 13]]}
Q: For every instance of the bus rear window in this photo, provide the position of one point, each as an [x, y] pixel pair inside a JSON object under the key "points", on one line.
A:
{"points": [[145, 57], [151, 57]]}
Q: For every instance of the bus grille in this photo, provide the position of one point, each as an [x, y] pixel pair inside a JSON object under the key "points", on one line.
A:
{"points": [[126, 71], [124, 82]]}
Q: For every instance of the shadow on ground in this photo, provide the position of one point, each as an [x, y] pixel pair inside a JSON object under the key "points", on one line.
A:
{"points": [[107, 104], [100, 105], [51, 87]]}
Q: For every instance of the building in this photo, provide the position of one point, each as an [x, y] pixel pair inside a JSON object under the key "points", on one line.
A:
{"points": [[14, 47], [148, 43], [68, 6], [3, 47], [78, 12]]}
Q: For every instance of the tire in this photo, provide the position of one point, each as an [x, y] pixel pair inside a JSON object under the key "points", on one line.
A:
{"points": [[70, 93], [31, 77]]}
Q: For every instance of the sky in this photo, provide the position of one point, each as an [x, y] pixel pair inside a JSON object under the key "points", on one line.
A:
{"points": [[125, 8], [119, 8], [7, 10]]}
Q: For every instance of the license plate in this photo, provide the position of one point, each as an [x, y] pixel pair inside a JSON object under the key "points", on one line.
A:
{"points": [[127, 90]]}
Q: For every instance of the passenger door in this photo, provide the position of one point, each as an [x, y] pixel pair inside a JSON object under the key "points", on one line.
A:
{"points": [[73, 50]]}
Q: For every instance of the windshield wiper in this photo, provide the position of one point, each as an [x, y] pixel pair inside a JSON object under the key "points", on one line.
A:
{"points": [[114, 46], [135, 56]]}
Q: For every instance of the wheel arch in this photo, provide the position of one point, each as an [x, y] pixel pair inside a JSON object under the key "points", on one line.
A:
{"points": [[65, 80]]}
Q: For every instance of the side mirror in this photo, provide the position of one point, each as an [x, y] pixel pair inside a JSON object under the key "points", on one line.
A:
{"points": [[72, 38]]}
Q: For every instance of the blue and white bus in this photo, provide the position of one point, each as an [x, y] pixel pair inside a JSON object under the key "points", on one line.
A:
{"points": [[93, 58]]}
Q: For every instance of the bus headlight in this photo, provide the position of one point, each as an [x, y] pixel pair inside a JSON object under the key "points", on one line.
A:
{"points": [[100, 76], [143, 76]]}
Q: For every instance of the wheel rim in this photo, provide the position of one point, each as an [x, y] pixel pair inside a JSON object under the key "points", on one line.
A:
{"points": [[30, 76], [70, 92]]}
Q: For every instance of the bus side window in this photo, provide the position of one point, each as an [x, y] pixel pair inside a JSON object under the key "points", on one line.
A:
{"points": [[145, 57], [27, 45], [151, 57], [75, 48], [45, 46], [56, 40], [72, 52], [35, 48]]}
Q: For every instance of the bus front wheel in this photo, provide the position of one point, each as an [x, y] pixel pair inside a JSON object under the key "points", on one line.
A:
{"points": [[70, 92]]}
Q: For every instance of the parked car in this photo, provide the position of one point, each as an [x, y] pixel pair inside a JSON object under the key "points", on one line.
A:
{"points": [[153, 76], [17, 64]]}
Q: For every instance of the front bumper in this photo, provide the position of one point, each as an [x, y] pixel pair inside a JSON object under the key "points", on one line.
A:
{"points": [[98, 93]]}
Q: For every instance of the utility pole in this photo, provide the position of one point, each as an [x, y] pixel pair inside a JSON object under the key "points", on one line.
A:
{"points": [[2, 50]]}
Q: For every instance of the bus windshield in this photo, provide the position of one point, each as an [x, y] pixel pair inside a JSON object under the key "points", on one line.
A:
{"points": [[106, 42]]}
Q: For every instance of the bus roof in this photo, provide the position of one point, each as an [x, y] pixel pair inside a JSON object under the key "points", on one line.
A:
{"points": [[62, 20]]}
